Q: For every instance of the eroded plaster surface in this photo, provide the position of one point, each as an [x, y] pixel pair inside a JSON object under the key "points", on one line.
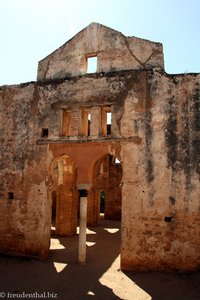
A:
{"points": [[55, 141]]}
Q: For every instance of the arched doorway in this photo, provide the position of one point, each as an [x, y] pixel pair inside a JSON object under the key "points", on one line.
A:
{"points": [[105, 197], [63, 195]]}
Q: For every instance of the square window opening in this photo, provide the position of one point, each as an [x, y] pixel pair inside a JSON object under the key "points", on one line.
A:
{"points": [[10, 195], [92, 64], [45, 132], [168, 219]]}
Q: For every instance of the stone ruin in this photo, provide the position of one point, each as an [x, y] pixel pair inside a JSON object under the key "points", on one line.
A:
{"points": [[105, 117]]}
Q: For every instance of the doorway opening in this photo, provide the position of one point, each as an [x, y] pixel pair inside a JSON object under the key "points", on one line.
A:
{"points": [[102, 204], [105, 198], [104, 208], [53, 213]]}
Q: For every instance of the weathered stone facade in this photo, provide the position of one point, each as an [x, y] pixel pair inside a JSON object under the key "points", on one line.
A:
{"points": [[56, 140]]}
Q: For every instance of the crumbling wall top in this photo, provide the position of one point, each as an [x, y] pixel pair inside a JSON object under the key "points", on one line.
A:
{"points": [[109, 49]]}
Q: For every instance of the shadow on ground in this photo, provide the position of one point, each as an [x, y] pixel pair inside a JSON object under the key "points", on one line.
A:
{"points": [[61, 274], [168, 286], [99, 279]]}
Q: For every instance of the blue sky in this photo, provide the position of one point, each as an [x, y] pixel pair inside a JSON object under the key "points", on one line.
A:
{"points": [[31, 29]]}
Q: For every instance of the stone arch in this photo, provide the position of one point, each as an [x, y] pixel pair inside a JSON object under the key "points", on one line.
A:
{"points": [[63, 194], [107, 176]]}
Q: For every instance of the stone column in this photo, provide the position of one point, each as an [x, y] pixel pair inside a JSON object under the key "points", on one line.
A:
{"points": [[82, 231], [92, 210]]}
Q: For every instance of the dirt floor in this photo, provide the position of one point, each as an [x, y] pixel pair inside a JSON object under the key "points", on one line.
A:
{"points": [[61, 277]]}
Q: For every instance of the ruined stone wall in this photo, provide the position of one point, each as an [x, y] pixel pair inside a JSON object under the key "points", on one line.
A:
{"points": [[27, 111], [22, 174], [155, 134], [114, 52], [160, 223]]}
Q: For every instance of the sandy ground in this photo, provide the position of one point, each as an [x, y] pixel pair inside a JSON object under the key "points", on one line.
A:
{"points": [[61, 277]]}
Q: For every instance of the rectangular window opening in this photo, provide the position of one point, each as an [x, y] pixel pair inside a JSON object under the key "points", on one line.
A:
{"points": [[89, 122], [106, 121], [85, 122], [45, 132], [109, 123], [92, 64]]}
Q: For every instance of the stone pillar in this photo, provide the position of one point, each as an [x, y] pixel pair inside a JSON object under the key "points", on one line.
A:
{"points": [[74, 122], [66, 211], [82, 231], [95, 126]]}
